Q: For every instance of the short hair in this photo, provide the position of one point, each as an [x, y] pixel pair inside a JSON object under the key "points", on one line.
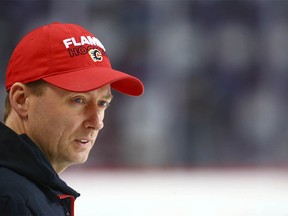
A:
{"points": [[37, 88]]}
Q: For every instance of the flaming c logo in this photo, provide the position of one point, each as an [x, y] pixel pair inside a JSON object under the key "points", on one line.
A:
{"points": [[95, 55]]}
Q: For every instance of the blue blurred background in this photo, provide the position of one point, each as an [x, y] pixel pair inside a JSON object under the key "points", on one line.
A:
{"points": [[215, 72]]}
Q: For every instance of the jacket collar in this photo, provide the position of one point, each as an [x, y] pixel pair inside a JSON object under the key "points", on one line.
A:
{"points": [[19, 153]]}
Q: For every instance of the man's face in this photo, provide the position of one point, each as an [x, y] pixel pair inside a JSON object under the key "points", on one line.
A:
{"points": [[65, 124]]}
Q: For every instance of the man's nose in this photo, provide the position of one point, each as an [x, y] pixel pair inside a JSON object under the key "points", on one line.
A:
{"points": [[94, 121]]}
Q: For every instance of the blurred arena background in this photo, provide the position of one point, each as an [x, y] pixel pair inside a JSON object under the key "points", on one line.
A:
{"points": [[210, 133]]}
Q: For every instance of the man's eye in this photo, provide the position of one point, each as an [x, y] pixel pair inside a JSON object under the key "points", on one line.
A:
{"points": [[103, 104], [79, 100]]}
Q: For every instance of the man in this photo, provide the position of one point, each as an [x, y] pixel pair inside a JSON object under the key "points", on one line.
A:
{"points": [[59, 82]]}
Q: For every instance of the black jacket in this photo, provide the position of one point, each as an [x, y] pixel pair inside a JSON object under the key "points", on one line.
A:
{"points": [[28, 183]]}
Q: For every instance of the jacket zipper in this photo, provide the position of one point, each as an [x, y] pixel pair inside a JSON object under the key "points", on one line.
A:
{"points": [[72, 200]]}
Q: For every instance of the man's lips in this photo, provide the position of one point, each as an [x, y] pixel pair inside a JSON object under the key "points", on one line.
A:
{"points": [[83, 140]]}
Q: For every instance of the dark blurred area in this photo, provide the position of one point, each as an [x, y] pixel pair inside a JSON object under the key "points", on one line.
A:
{"points": [[215, 72]]}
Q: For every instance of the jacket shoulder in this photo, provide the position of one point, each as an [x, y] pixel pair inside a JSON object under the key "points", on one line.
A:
{"points": [[26, 195], [14, 184]]}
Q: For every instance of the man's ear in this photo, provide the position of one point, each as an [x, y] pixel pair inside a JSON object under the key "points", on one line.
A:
{"points": [[18, 99]]}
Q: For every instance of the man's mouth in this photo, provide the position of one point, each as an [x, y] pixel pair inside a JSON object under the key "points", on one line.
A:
{"points": [[83, 141]]}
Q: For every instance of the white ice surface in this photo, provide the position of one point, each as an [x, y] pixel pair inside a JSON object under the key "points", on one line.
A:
{"points": [[214, 192]]}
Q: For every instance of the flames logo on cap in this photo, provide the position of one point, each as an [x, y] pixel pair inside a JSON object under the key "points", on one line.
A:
{"points": [[95, 55]]}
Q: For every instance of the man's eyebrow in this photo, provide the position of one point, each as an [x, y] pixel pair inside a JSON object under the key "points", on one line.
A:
{"points": [[108, 97]]}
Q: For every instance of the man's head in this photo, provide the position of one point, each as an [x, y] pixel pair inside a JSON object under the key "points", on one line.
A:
{"points": [[59, 82]]}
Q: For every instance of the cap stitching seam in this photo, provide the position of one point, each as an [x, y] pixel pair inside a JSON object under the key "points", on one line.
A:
{"points": [[50, 64]]}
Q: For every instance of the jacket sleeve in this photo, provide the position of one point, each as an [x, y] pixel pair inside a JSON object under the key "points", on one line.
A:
{"points": [[10, 207]]}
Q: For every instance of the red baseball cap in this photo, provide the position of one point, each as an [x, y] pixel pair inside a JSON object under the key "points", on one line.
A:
{"points": [[69, 57]]}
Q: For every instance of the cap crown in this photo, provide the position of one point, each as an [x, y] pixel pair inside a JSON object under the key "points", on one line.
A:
{"points": [[54, 49]]}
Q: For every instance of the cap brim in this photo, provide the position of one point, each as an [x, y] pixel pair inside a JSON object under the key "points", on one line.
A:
{"points": [[93, 78]]}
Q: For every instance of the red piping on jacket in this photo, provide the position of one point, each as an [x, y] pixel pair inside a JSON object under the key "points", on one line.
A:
{"points": [[72, 200]]}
